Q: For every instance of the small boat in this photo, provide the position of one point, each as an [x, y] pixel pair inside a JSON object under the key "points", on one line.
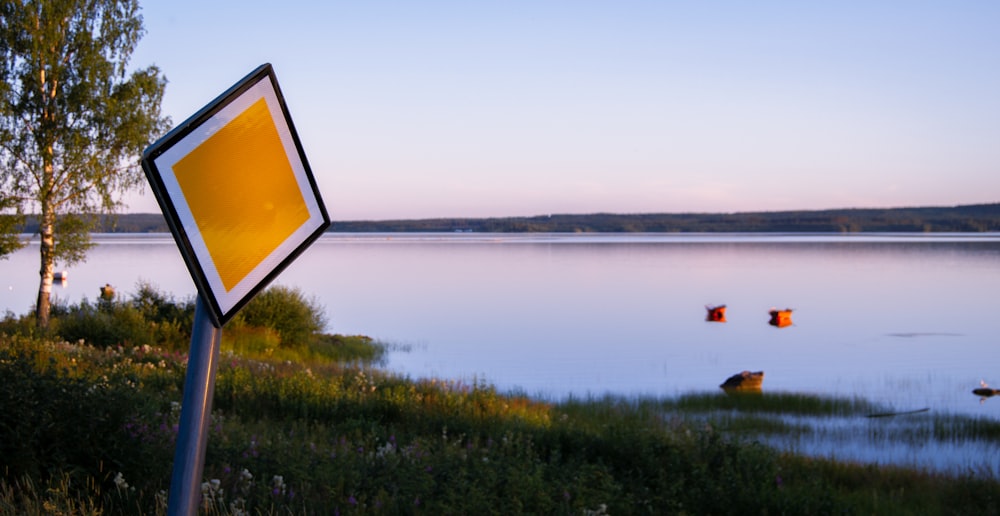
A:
{"points": [[780, 318], [745, 381], [716, 313], [985, 390]]}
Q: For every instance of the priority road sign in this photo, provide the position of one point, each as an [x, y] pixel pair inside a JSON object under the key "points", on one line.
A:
{"points": [[239, 197], [237, 192]]}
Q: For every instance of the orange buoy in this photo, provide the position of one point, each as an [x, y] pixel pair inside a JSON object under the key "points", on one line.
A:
{"points": [[781, 318], [716, 313]]}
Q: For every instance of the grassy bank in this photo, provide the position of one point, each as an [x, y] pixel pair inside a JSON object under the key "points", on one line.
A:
{"points": [[315, 427]]}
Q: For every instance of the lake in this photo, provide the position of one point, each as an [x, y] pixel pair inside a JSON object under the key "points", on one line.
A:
{"points": [[909, 320]]}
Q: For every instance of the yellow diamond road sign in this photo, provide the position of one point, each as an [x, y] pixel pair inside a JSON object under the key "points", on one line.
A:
{"points": [[237, 192]]}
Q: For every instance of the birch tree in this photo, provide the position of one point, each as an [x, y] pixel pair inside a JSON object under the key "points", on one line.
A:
{"points": [[73, 119]]}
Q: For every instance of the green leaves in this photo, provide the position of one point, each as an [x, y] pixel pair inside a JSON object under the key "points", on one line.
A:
{"points": [[72, 126], [296, 318]]}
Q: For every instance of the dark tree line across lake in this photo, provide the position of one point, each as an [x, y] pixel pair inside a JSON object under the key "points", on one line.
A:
{"points": [[968, 218]]}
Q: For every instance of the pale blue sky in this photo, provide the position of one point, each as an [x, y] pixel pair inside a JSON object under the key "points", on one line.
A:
{"points": [[414, 109]]}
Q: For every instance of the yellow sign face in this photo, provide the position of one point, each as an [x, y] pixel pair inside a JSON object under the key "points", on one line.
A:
{"points": [[242, 198], [250, 167]]}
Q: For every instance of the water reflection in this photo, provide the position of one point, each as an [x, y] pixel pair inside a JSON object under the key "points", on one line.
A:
{"points": [[918, 441]]}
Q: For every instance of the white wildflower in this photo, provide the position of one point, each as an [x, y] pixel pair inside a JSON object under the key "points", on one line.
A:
{"points": [[386, 449], [238, 507], [601, 510], [211, 491], [278, 485]]}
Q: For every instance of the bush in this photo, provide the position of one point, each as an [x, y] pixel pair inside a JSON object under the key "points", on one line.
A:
{"points": [[156, 307], [149, 317], [350, 348], [170, 321], [287, 311], [104, 324]]}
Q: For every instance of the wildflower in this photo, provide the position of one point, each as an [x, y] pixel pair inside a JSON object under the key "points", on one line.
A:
{"points": [[278, 485], [601, 510], [351, 500], [384, 450], [120, 482], [211, 491], [238, 507]]}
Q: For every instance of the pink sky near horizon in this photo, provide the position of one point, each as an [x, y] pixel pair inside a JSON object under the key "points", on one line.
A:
{"points": [[447, 109]]}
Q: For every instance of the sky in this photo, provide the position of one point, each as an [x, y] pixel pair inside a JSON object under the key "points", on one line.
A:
{"points": [[530, 107]]}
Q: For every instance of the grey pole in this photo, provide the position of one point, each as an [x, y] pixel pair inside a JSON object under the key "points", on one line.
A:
{"points": [[196, 411]]}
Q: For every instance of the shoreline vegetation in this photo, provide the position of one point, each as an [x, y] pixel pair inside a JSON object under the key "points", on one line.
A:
{"points": [[975, 218], [305, 422]]}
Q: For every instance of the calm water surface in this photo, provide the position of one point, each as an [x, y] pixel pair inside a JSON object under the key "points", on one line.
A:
{"points": [[908, 320]]}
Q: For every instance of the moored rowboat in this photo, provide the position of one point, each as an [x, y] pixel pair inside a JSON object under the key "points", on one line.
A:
{"points": [[745, 381]]}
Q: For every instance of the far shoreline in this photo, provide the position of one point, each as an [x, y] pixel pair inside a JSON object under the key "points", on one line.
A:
{"points": [[975, 218]]}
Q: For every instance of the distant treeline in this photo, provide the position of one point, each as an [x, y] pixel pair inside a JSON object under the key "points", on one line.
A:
{"points": [[973, 218], [970, 218], [123, 223]]}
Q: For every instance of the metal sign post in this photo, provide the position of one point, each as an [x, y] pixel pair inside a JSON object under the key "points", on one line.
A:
{"points": [[241, 202], [196, 412]]}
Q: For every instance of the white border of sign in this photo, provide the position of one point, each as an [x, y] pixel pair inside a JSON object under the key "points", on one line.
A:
{"points": [[160, 158]]}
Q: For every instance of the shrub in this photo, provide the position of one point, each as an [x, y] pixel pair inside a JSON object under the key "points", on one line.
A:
{"points": [[156, 307], [287, 311], [350, 348], [170, 321], [105, 324], [149, 317]]}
